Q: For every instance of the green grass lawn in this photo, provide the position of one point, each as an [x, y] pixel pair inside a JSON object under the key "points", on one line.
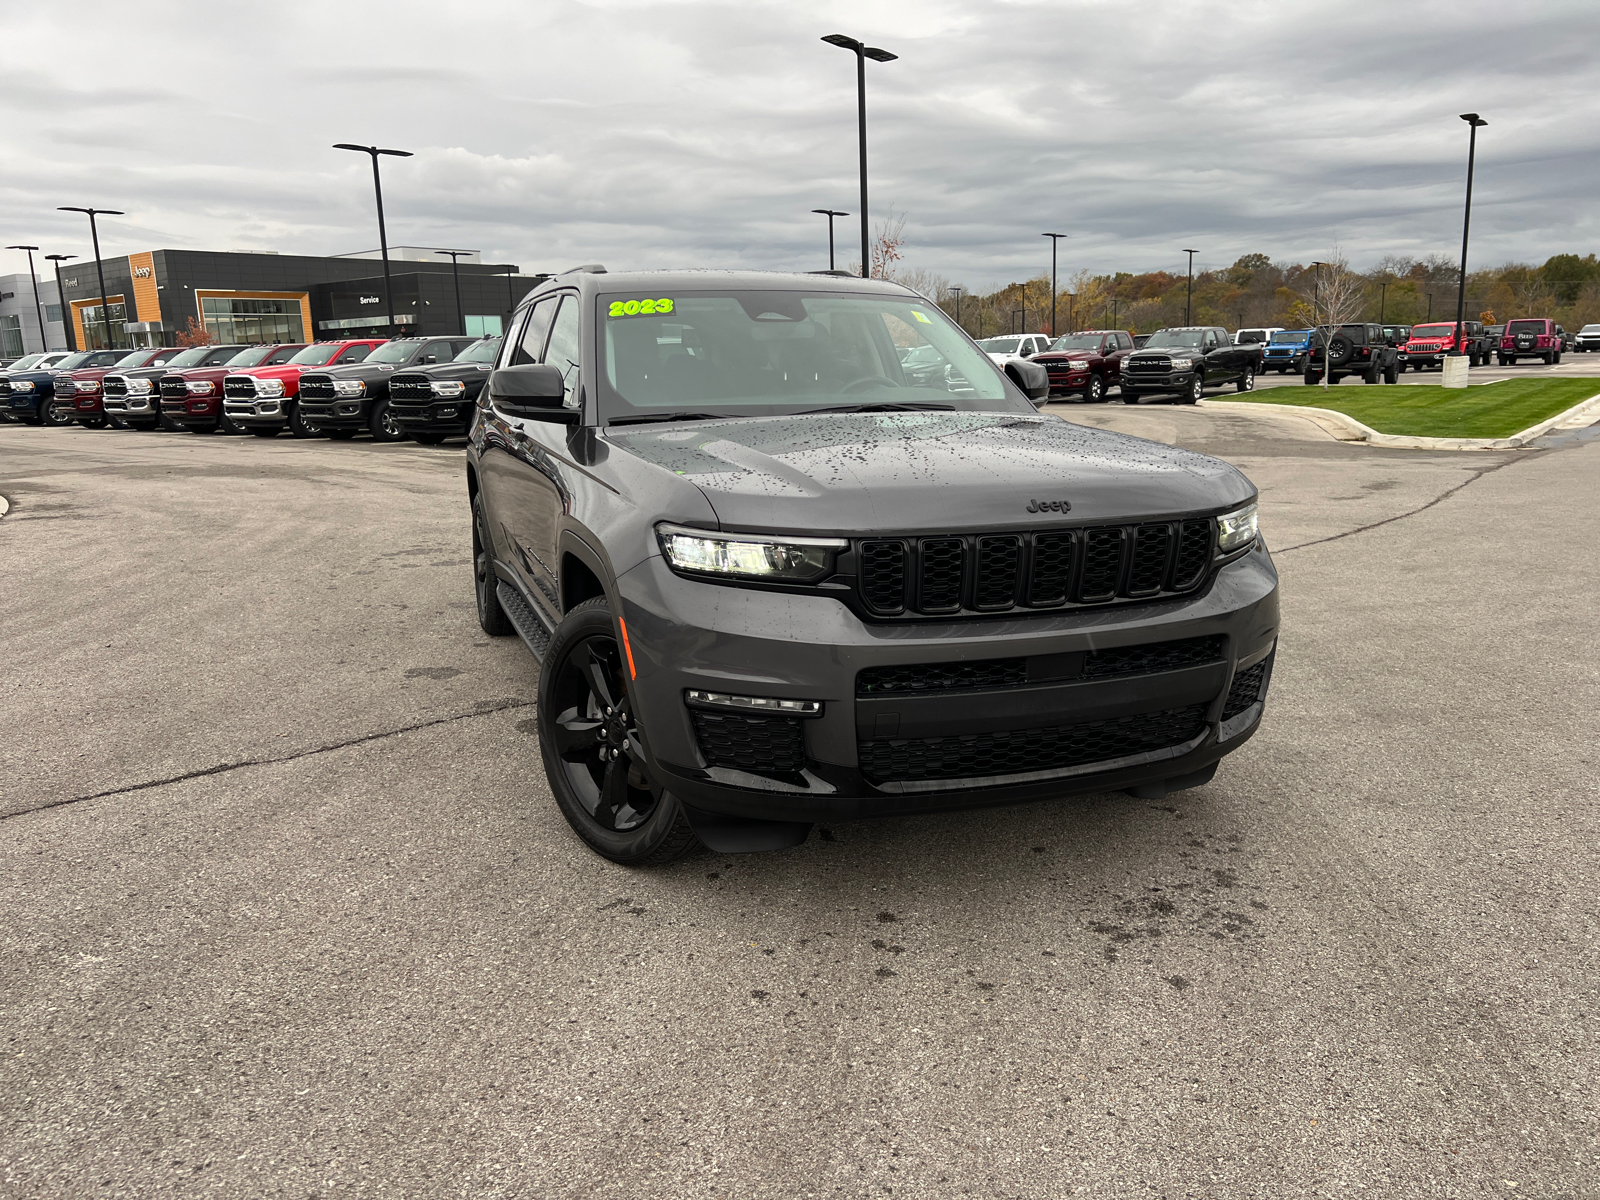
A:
{"points": [[1490, 410]]}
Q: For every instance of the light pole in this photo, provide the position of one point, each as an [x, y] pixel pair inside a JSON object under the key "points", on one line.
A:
{"points": [[1316, 295], [957, 291], [1430, 306], [1072, 303], [383, 236], [862, 51], [1055, 239], [94, 234], [830, 214], [455, 275], [1474, 123], [1188, 296], [61, 298], [44, 342]]}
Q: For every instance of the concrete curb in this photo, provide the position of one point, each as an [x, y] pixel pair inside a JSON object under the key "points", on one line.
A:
{"points": [[1346, 428]]}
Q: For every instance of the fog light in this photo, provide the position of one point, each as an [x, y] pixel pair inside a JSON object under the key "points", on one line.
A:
{"points": [[763, 704]]}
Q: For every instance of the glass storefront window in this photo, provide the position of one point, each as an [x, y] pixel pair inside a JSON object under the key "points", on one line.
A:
{"points": [[10, 337], [94, 327], [483, 326], [233, 319]]}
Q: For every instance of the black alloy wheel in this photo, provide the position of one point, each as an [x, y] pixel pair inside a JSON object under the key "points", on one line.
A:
{"points": [[383, 425], [491, 616], [590, 740], [1247, 381], [1096, 391], [300, 427]]}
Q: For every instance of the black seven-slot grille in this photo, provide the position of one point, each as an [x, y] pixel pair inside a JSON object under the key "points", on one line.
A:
{"points": [[243, 388], [1017, 751], [1154, 363], [316, 387], [114, 385], [934, 576], [173, 388], [1014, 672]]}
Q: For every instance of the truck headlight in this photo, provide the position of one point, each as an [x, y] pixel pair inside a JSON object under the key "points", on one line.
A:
{"points": [[1236, 529], [1182, 364], [448, 387], [87, 385], [269, 387], [200, 387], [22, 385], [748, 555], [349, 387]]}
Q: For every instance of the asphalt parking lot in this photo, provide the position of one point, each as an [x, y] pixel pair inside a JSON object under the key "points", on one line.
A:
{"points": [[290, 912]]}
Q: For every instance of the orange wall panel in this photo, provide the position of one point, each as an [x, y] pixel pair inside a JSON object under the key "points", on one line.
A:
{"points": [[146, 300]]}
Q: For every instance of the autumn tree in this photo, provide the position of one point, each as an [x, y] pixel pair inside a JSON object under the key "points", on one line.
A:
{"points": [[194, 334]]}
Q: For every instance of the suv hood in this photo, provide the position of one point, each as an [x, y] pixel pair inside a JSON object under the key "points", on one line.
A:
{"points": [[928, 472]]}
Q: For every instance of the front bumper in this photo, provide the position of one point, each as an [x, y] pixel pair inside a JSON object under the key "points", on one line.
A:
{"points": [[1292, 361], [444, 416], [335, 414], [259, 413], [758, 643], [1157, 382]]}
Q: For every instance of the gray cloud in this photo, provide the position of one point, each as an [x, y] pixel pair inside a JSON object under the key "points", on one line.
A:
{"points": [[672, 134]]}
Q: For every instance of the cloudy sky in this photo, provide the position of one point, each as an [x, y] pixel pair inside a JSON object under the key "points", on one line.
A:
{"points": [[645, 133]]}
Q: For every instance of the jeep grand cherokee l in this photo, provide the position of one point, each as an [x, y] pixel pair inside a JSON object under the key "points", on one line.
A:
{"points": [[1181, 363], [435, 402], [771, 583], [343, 400]]}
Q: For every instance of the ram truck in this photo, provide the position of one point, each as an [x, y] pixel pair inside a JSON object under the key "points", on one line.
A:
{"points": [[31, 393], [266, 400], [432, 403], [84, 392], [192, 396], [133, 397], [1086, 365], [343, 400]]}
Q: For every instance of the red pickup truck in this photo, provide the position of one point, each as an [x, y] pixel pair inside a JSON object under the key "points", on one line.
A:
{"points": [[1085, 364], [83, 389], [192, 398], [265, 400]]}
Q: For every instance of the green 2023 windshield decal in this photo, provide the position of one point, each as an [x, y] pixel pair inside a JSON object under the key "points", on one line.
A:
{"points": [[639, 308]]}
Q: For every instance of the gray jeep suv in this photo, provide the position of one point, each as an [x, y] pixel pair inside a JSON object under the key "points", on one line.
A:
{"points": [[772, 580]]}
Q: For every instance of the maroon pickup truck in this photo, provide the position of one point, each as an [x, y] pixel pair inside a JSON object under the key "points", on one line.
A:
{"points": [[84, 391], [192, 398], [1084, 365]]}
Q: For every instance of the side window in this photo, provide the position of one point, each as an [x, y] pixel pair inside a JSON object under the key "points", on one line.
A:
{"points": [[563, 352], [436, 352], [529, 347], [222, 356], [1124, 342], [1211, 339], [283, 355], [353, 354]]}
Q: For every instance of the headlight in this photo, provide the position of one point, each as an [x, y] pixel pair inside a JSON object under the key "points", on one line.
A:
{"points": [[22, 385], [448, 387], [1182, 364], [138, 387], [1237, 529], [201, 387], [87, 385], [748, 556], [349, 387], [269, 387]]}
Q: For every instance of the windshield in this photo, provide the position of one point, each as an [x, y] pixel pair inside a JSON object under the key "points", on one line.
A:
{"points": [[478, 352], [189, 357], [251, 357], [22, 364], [71, 361], [1290, 337], [747, 352], [315, 356], [1000, 345], [1432, 331], [1525, 327], [394, 352], [136, 359], [1176, 339], [1251, 336], [1077, 341]]}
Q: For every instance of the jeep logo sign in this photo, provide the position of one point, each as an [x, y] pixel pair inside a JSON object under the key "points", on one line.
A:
{"points": [[1037, 506], [141, 272]]}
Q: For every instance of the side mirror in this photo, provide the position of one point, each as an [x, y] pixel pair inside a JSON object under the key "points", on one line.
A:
{"points": [[530, 390], [430, 358], [1032, 378]]}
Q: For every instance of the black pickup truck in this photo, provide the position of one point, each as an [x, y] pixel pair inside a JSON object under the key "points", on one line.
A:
{"points": [[435, 402], [774, 579], [341, 401], [1181, 363]]}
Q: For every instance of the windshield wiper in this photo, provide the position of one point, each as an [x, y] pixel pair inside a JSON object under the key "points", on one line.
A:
{"points": [[882, 407], [672, 416]]}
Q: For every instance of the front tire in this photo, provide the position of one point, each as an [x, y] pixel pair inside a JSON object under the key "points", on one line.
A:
{"points": [[383, 425], [298, 426], [1096, 391], [590, 741], [1196, 389], [54, 415], [1247, 382]]}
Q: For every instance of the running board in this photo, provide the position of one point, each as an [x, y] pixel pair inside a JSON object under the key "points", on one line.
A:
{"points": [[523, 617]]}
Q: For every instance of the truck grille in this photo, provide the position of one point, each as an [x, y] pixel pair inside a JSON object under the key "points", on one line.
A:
{"points": [[923, 678], [316, 387], [986, 573], [749, 743], [114, 385], [65, 387], [1016, 752], [174, 388], [410, 388], [239, 387], [1155, 364], [5, 387]]}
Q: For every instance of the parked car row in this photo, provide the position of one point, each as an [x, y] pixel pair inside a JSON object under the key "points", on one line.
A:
{"points": [[1179, 363], [418, 387]]}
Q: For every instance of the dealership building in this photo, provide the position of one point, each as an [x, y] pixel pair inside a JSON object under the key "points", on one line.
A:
{"points": [[240, 296]]}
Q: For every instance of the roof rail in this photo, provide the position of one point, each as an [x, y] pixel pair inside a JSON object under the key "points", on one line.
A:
{"points": [[833, 271], [586, 269]]}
